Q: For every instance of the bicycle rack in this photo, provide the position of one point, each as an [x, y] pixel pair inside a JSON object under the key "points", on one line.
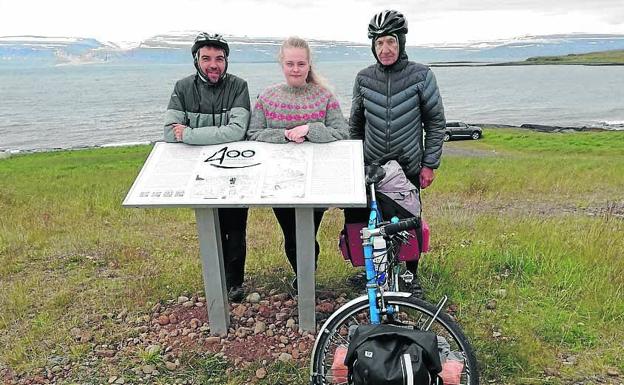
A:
{"points": [[439, 307]]}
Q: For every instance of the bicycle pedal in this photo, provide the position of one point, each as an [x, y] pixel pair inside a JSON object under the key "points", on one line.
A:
{"points": [[407, 277]]}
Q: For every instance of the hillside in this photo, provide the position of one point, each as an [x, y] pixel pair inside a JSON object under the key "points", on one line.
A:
{"points": [[593, 58]]}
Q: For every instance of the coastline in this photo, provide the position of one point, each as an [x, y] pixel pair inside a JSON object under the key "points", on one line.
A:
{"points": [[7, 153]]}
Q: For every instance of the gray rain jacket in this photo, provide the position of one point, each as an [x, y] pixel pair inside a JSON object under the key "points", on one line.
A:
{"points": [[392, 107], [213, 113]]}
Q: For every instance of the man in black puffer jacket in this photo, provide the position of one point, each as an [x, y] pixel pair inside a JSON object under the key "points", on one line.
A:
{"points": [[397, 106]]}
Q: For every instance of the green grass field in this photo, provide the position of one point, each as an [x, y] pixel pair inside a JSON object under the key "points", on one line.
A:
{"points": [[532, 220]]}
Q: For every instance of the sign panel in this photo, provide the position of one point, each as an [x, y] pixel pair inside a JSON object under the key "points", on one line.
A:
{"points": [[251, 174]]}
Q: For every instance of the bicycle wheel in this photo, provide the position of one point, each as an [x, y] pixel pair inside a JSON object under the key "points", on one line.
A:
{"points": [[412, 311]]}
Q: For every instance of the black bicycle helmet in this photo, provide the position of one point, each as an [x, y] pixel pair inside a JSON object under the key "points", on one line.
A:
{"points": [[388, 22], [205, 39]]}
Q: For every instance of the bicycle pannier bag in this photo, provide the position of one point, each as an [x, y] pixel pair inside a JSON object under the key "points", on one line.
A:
{"points": [[392, 355]]}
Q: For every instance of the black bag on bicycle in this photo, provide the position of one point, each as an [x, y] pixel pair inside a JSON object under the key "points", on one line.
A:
{"points": [[392, 355]]}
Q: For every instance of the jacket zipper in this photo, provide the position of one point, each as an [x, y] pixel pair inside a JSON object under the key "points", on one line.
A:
{"points": [[388, 98]]}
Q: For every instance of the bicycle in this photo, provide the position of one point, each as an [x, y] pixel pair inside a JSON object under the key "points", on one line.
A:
{"points": [[383, 303]]}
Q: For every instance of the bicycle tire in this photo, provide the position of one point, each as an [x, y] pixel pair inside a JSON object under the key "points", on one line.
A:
{"points": [[412, 311]]}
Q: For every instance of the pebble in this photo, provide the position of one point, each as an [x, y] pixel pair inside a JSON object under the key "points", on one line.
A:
{"points": [[253, 298], [325, 307], [153, 349], [284, 339], [199, 304], [491, 304], [261, 373], [170, 365], [613, 373], [182, 299], [213, 340], [173, 319], [188, 304], [195, 323], [148, 369], [260, 327], [285, 357], [163, 320], [281, 316], [290, 324], [239, 310]]}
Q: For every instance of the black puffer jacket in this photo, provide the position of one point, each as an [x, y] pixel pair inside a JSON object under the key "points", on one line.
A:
{"points": [[392, 107]]}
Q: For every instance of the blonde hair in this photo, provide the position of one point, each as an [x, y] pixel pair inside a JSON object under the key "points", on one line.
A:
{"points": [[313, 76]]}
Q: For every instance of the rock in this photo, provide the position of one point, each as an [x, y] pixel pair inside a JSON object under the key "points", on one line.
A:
{"points": [[201, 299], [182, 299], [280, 316], [170, 365], [264, 311], [325, 307], [188, 304], [163, 320], [284, 339], [122, 314], [239, 310], [213, 340], [260, 327], [195, 323], [199, 304], [270, 333], [153, 349], [613, 373], [261, 373], [112, 379], [75, 333], [56, 369], [204, 329], [551, 372], [105, 353], [148, 369], [173, 319], [253, 298], [290, 324], [296, 354], [285, 357], [491, 304]]}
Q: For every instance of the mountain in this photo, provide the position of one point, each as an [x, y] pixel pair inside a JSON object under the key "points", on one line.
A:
{"points": [[175, 48]]}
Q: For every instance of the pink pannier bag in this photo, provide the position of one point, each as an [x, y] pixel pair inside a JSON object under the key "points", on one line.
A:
{"points": [[351, 244]]}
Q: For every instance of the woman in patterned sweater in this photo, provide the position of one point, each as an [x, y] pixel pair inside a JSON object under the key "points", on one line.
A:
{"points": [[300, 109]]}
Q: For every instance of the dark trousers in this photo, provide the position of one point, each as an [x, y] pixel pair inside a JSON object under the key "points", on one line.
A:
{"points": [[286, 219], [233, 223]]}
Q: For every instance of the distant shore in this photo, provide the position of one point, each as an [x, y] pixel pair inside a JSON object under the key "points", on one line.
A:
{"points": [[601, 58]]}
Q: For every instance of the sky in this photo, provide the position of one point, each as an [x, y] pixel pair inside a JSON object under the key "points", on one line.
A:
{"points": [[430, 22]]}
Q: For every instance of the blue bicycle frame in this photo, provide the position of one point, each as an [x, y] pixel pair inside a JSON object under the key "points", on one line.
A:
{"points": [[371, 275]]}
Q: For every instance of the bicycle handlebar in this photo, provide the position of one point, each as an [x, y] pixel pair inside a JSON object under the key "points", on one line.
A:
{"points": [[406, 224]]}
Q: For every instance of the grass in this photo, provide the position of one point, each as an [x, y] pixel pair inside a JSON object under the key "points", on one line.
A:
{"points": [[531, 220], [602, 57]]}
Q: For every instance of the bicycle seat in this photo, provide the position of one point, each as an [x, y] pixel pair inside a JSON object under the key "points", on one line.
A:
{"points": [[374, 173]]}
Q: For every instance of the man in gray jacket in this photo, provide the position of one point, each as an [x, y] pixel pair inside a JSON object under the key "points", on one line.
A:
{"points": [[397, 106], [212, 107]]}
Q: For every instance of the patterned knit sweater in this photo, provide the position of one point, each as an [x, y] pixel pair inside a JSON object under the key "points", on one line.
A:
{"points": [[281, 107]]}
